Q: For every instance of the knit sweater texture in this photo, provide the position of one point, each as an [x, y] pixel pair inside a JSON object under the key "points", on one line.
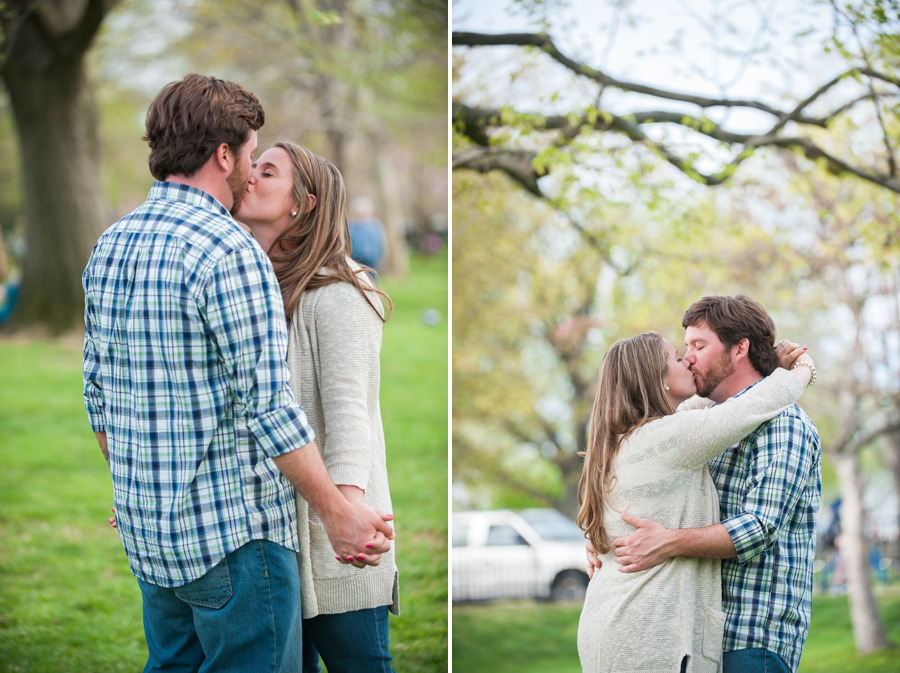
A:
{"points": [[333, 354], [647, 621]]}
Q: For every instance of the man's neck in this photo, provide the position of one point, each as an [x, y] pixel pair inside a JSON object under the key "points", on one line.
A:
{"points": [[735, 384], [218, 189]]}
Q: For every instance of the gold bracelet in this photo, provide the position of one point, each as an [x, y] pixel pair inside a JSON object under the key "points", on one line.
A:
{"points": [[812, 368]]}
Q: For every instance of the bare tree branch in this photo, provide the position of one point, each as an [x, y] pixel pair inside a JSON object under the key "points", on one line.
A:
{"points": [[546, 43], [629, 126], [475, 122]]}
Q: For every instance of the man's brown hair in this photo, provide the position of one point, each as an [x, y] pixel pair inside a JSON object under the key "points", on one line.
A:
{"points": [[736, 318], [189, 119]]}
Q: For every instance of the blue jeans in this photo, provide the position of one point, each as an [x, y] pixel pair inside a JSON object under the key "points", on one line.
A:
{"points": [[753, 660], [354, 642], [241, 616]]}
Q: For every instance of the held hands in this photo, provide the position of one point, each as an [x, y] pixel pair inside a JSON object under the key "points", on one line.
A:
{"points": [[361, 535]]}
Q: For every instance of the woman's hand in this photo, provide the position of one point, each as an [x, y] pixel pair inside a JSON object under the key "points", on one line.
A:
{"points": [[788, 352], [790, 355], [112, 521]]}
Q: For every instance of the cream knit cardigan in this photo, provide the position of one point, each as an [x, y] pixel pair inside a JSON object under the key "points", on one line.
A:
{"points": [[649, 620], [334, 345]]}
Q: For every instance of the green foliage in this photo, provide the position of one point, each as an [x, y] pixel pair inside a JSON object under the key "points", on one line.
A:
{"points": [[355, 81], [536, 304], [68, 601], [527, 637], [812, 247]]}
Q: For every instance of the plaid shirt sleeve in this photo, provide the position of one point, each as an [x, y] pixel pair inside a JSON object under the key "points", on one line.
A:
{"points": [[90, 369], [244, 310], [777, 479]]}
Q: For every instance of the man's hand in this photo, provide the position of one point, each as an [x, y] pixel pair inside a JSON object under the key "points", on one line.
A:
{"points": [[648, 546], [593, 561]]}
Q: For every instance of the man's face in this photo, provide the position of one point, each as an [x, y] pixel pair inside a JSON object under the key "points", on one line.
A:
{"points": [[240, 176], [707, 359]]}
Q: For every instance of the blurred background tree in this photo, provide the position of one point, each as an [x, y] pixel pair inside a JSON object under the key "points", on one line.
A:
{"points": [[362, 82], [755, 153], [43, 47]]}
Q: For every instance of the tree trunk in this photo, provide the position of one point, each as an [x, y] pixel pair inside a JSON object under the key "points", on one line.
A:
{"points": [[56, 124], [868, 631], [893, 460]]}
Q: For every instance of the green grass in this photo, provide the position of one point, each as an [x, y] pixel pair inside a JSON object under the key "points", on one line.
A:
{"points": [[68, 601], [830, 648], [528, 637], [516, 636]]}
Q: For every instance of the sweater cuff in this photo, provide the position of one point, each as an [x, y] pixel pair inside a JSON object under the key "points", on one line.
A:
{"points": [[792, 382], [347, 474]]}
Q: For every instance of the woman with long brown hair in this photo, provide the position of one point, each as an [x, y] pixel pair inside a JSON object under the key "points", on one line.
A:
{"points": [[295, 207], [643, 456]]}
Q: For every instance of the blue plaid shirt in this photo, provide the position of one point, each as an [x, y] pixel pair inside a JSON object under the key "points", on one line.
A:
{"points": [[769, 488], [184, 369]]}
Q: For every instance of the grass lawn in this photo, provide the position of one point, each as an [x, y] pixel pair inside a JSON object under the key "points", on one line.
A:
{"points": [[528, 637], [68, 601]]}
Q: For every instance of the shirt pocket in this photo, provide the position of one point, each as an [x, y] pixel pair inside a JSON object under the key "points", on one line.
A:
{"points": [[713, 633]]}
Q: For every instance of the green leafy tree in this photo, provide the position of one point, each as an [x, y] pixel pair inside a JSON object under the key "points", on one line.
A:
{"points": [[363, 82], [810, 229]]}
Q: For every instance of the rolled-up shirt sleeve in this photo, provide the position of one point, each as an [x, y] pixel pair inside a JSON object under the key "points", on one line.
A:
{"points": [[90, 366], [777, 479], [245, 314]]}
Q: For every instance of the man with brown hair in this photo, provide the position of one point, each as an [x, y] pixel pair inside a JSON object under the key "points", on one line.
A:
{"points": [[769, 487], [187, 388]]}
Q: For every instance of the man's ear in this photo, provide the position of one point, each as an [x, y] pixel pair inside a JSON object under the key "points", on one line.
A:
{"points": [[741, 351], [224, 157]]}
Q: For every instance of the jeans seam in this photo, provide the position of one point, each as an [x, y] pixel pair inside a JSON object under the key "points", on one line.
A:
{"points": [[268, 583]]}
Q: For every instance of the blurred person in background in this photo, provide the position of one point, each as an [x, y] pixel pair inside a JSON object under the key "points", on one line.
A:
{"points": [[643, 458], [295, 207], [9, 284], [367, 236]]}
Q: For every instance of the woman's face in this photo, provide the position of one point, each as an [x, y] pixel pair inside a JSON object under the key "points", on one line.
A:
{"points": [[268, 203], [678, 378]]}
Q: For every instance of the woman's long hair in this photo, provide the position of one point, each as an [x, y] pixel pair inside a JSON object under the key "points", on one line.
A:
{"points": [[313, 250], [630, 393]]}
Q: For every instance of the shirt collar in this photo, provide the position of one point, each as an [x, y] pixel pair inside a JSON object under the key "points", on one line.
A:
{"points": [[175, 191]]}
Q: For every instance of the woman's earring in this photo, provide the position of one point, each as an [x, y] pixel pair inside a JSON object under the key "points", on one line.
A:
{"points": [[294, 214], [667, 387]]}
